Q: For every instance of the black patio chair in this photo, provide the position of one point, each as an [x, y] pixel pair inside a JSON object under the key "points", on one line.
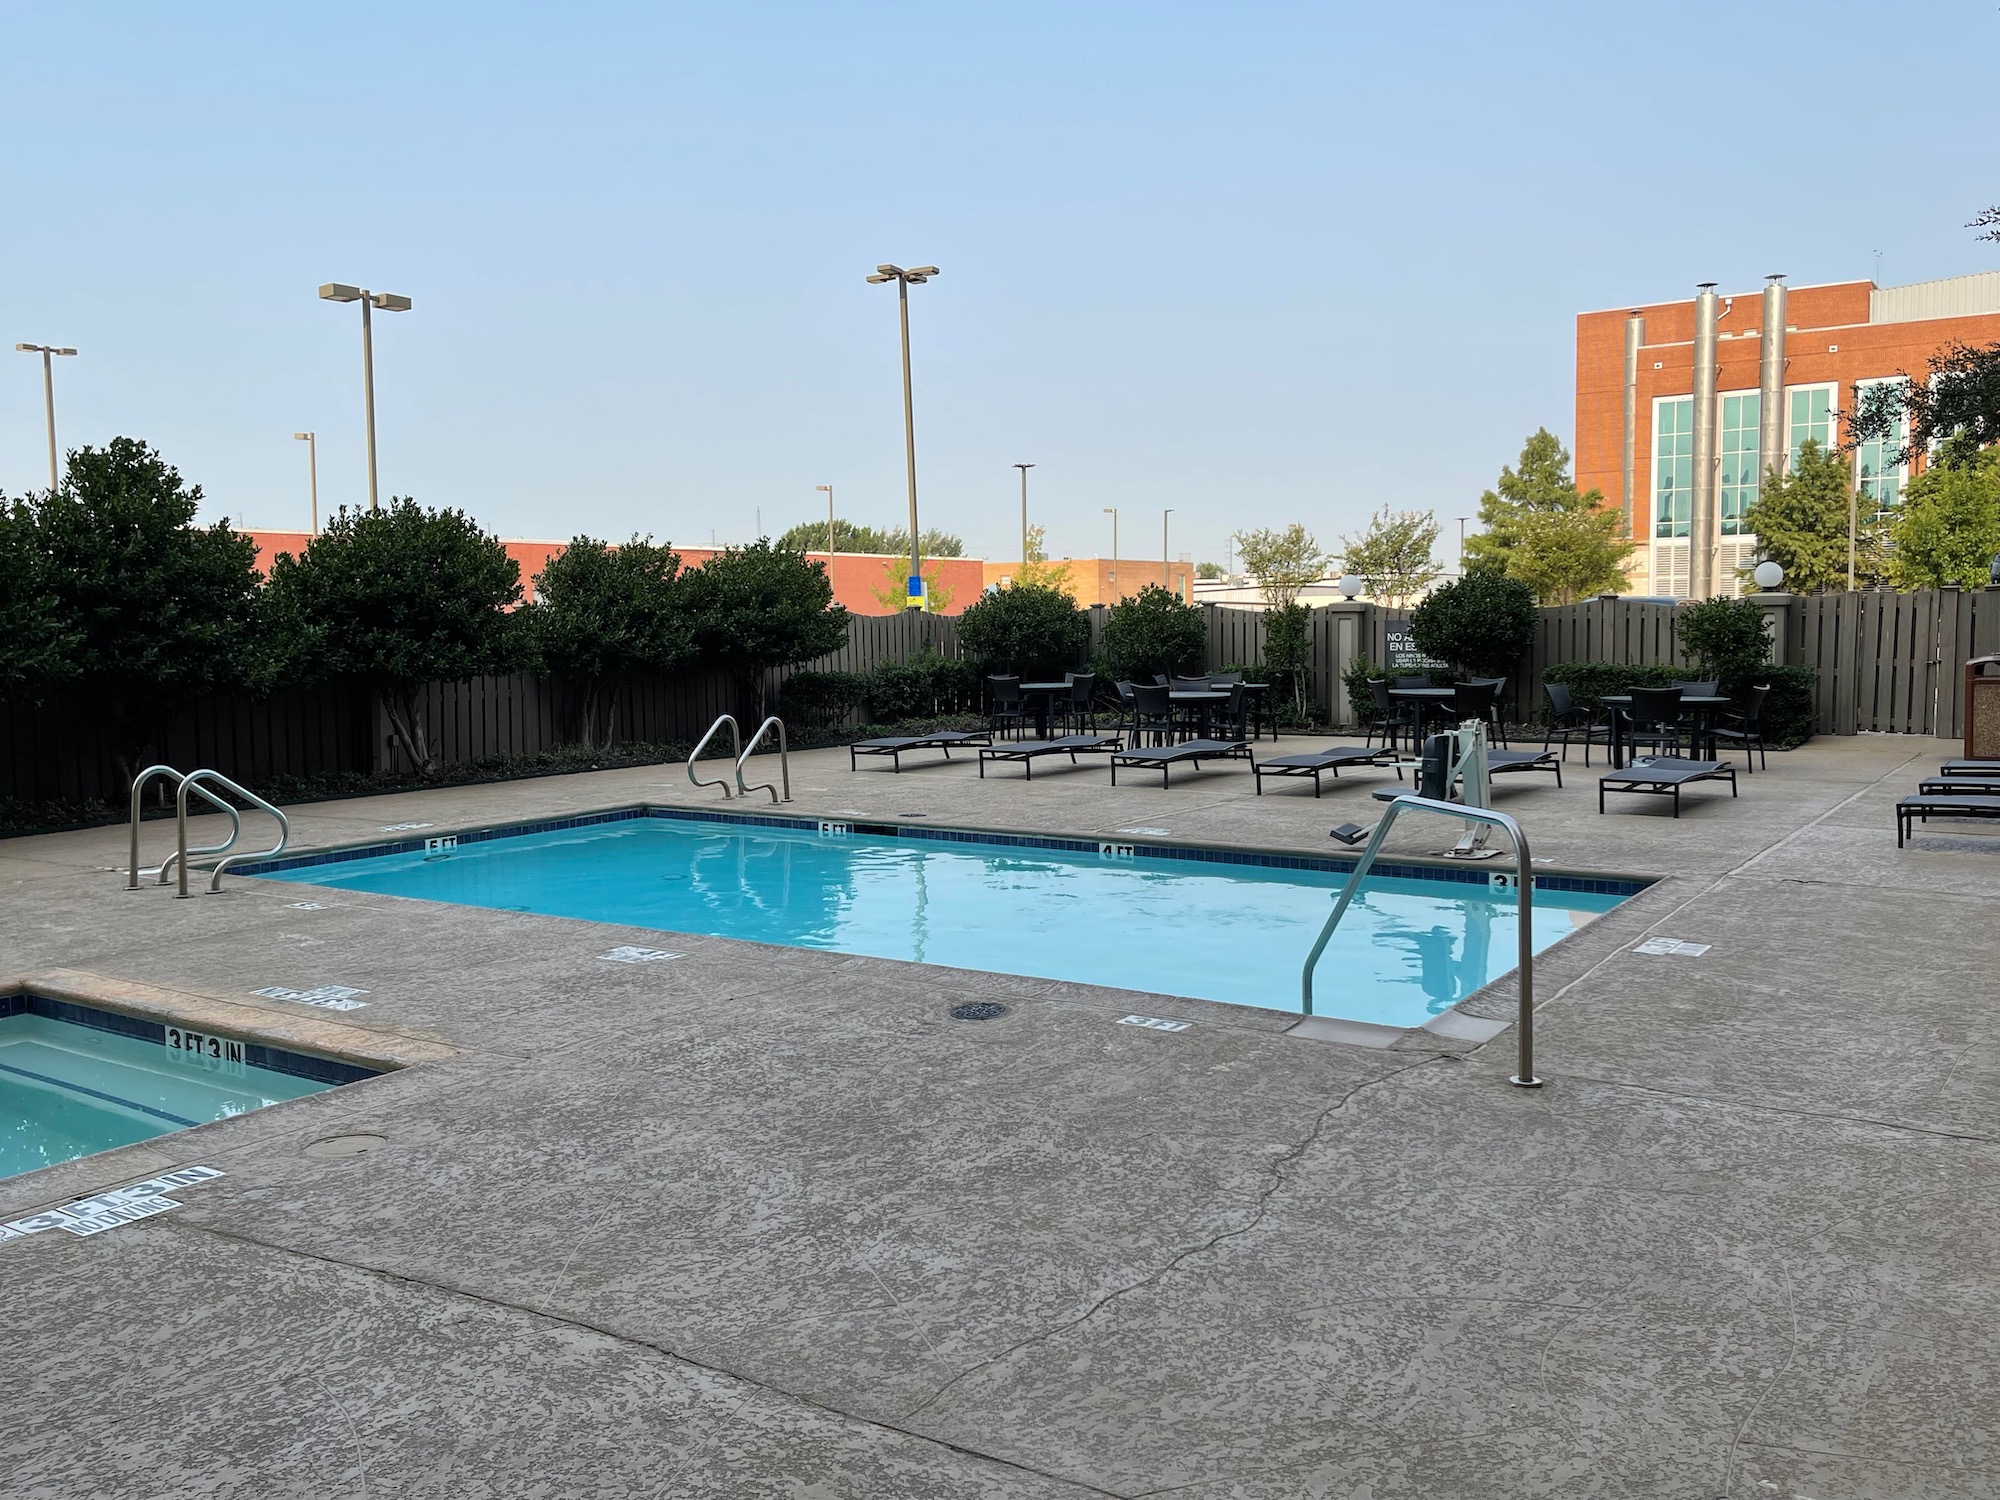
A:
{"points": [[1004, 705], [1747, 728], [1078, 712], [1572, 720], [1411, 682], [1698, 689], [1386, 716], [1472, 700], [1655, 719], [1152, 713], [1230, 720], [1496, 721]]}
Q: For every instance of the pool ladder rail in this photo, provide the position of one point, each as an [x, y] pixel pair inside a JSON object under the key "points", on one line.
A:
{"points": [[741, 753], [198, 782], [1524, 881]]}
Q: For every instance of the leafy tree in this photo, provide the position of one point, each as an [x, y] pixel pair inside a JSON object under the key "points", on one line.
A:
{"points": [[893, 591], [1947, 529], [603, 614], [1958, 393], [1394, 553], [155, 608], [1801, 521], [1037, 569], [40, 650], [1288, 649], [933, 543], [1284, 562], [810, 536], [1563, 543], [1724, 639], [1029, 629], [399, 598], [1208, 570], [1483, 624], [760, 607], [1153, 631]]}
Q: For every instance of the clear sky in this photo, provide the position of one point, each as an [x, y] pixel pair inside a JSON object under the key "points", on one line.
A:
{"points": [[1256, 262]]}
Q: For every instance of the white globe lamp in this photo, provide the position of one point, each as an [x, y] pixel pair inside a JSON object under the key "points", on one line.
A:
{"points": [[1768, 575], [1351, 586]]}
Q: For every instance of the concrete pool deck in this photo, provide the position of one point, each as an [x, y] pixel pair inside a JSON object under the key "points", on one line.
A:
{"points": [[764, 1221]]}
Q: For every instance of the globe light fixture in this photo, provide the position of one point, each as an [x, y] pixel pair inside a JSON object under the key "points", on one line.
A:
{"points": [[1351, 586], [1768, 575]]}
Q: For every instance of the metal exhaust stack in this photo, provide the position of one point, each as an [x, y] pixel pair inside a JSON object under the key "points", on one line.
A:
{"points": [[1703, 529], [1771, 448], [1635, 339]]}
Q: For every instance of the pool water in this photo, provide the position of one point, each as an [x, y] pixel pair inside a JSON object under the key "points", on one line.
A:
{"points": [[68, 1090], [1239, 932]]}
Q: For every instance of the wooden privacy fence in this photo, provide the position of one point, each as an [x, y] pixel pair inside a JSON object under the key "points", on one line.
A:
{"points": [[1886, 663]]}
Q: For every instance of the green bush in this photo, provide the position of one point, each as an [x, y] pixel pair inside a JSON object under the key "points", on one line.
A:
{"points": [[1723, 638], [1355, 677], [1790, 717], [820, 700], [926, 686], [1483, 624], [1153, 632], [1028, 630]]}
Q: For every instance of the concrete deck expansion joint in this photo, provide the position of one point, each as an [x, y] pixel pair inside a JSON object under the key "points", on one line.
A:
{"points": [[766, 1221]]}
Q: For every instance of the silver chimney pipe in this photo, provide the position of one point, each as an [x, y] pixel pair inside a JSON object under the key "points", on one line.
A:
{"points": [[1772, 450], [1704, 530], [1635, 338]]}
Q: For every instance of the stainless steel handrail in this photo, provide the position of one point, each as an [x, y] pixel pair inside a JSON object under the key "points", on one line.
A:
{"points": [[192, 780], [784, 762], [139, 784], [1524, 879], [736, 752]]}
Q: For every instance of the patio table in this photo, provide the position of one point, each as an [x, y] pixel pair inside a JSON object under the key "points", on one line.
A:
{"points": [[1431, 702], [1705, 709], [1202, 703], [1040, 698]]}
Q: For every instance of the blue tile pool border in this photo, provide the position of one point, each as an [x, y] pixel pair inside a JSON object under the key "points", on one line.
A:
{"points": [[1605, 885], [257, 1054]]}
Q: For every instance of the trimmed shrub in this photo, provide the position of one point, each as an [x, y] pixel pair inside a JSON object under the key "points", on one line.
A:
{"points": [[1028, 630], [1483, 624], [1154, 632], [927, 686], [1790, 717], [820, 700]]}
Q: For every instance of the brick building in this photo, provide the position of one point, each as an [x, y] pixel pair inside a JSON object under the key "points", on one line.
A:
{"points": [[1681, 407], [1100, 580]]}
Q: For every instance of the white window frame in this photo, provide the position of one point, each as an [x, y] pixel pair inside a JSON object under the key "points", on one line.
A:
{"points": [[1653, 472], [1832, 389], [1902, 470], [1756, 468]]}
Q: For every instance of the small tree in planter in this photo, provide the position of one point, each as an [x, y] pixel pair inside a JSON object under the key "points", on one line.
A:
{"points": [[1153, 632], [604, 614], [400, 598], [1483, 624], [759, 607], [1028, 629]]}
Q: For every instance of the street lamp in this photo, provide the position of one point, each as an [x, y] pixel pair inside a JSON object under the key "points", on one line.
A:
{"points": [[904, 280], [829, 521], [335, 291], [1024, 512], [1351, 586], [1166, 554], [312, 468], [1112, 511], [48, 397]]}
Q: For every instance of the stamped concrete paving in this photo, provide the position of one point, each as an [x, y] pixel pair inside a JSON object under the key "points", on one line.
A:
{"points": [[763, 1222]]}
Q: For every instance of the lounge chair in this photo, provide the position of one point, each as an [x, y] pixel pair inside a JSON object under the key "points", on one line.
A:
{"points": [[1503, 762], [1189, 752], [1970, 768], [1665, 776], [1925, 806], [895, 745], [1027, 752], [1985, 782], [1334, 758]]}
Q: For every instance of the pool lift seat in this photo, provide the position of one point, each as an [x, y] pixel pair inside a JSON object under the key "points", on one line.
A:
{"points": [[1452, 768]]}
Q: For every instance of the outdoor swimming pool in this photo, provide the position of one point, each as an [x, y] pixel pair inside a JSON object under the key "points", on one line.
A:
{"points": [[1209, 924], [75, 1081]]}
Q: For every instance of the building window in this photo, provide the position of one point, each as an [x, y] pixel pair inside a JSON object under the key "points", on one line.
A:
{"points": [[1739, 459], [1673, 465], [1811, 412], [1877, 476]]}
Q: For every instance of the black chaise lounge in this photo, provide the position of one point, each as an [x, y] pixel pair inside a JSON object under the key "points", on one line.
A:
{"points": [[1164, 758], [1664, 776], [1925, 806], [1027, 752], [1970, 768], [1335, 758], [894, 746], [1503, 762]]}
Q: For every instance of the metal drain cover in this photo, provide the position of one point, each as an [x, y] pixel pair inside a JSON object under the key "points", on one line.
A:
{"points": [[978, 1010], [359, 1144]]}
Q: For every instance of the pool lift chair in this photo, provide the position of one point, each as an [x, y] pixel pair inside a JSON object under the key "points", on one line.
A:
{"points": [[1454, 768]]}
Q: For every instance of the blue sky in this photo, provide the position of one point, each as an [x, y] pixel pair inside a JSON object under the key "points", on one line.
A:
{"points": [[1255, 262]]}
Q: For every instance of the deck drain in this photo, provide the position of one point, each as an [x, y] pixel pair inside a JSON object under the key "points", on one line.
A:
{"points": [[336, 1146], [978, 1010]]}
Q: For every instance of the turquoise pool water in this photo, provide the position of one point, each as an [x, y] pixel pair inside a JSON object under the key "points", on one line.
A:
{"points": [[1408, 948], [68, 1090]]}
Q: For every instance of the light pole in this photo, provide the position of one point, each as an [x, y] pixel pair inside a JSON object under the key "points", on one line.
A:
{"points": [[1166, 554], [903, 279], [1461, 544], [1024, 511], [335, 291], [1112, 511], [829, 522], [312, 468], [48, 398]]}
